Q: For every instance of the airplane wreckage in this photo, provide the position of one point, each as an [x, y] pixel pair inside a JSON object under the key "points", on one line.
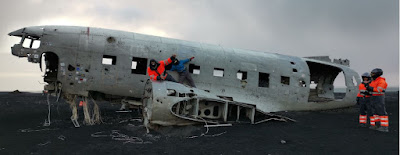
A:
{"points": [[232, 83]]}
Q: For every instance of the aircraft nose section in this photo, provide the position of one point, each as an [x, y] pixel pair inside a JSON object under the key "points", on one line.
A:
{"points": [[18, 32]]}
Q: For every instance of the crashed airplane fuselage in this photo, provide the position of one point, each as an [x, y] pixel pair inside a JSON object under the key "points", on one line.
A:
{"points": [[231, 83]]}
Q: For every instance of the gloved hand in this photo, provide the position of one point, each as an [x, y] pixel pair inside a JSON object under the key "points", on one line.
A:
{"points": [[191, 58], [369, 88], [358, 100], [163, 77]]}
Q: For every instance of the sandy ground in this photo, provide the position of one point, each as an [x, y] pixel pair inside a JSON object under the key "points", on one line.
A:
{"points": [[320, 132]]}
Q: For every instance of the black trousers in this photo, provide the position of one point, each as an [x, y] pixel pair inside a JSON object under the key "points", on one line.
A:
{"points": [[378, 102], [365, 106], [170, 78]]}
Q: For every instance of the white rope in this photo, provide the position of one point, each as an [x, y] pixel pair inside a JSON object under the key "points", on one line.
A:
{"points": [[30, 130], [62, 137], [215, 135], [96, 135], [269, 119], [205, 134], [115, 135], [58, 94], [47, 122], [43, 144], [284, 117]]}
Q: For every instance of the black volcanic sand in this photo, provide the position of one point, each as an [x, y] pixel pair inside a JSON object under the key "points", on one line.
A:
{"points": [[319, 132]]}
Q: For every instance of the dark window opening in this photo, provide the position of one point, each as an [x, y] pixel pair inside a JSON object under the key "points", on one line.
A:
{"points": [[263, 80], [139, 65], [285, 80], [241, 75], [292, 63], [194, 69], [294, 70], [218, 72], [216, 111], [109, 60]]}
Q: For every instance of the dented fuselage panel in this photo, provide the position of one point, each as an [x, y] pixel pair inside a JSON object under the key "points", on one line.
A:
{"points": [[88, 61]]}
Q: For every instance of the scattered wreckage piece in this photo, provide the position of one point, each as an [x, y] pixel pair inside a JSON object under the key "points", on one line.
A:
{"points": [[116, 135], [217, 125], [169, 103]]}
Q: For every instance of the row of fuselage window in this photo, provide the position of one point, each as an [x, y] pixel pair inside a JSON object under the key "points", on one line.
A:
{"points": [[139, 66]]}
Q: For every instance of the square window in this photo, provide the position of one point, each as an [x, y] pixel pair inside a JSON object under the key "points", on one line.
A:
{"points": [[194, 69], [27, 43], [263, 80], [241, 75], [139, 66], [285, 80], [218, 72], [109, 60]]}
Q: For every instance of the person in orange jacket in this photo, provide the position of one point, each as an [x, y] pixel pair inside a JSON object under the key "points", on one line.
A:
{"points": [[157, 72], [364, 100], [377, 87]]}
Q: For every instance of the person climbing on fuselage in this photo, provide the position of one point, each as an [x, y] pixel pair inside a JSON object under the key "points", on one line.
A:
{"points": [[157, 71], [183, 72]]}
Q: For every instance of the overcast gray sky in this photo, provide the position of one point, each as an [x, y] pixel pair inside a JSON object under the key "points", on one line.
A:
{"points": [[364, 31]]}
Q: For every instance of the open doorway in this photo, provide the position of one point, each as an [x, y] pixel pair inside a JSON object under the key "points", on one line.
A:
{"points": [[322, 79], [51, 64]]}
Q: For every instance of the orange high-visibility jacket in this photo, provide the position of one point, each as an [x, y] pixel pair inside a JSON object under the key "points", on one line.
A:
{"points": [[361, 88], [160, 70], [379, 85]]}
